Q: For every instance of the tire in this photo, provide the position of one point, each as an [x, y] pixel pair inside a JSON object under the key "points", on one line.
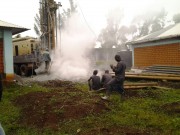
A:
{"points": [[16, 69], [24, 70]]}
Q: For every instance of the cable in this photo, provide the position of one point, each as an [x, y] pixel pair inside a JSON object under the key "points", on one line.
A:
{"points": [[86, 20]]}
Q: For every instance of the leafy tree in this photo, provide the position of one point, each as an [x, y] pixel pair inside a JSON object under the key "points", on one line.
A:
{"points": [[63, 17], [176, 18], [158, 22], [144, 28], [109, 36], [122, 33], [150, 22]]}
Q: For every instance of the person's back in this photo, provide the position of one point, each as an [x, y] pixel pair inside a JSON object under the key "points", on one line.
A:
{"points": [[46, 58], [94, 81], [46, 55], [120, 70], [106, 78]]}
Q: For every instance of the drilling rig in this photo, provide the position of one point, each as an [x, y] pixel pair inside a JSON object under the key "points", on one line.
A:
{"points": [[48, 21], [27, 56]]}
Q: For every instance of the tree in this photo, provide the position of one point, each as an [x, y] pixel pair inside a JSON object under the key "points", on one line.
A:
{"points": [[176, 18], [122, 33], [63, 17], [37, 25], [144, 28], [158, 22], [150, 22], [109, 35]]}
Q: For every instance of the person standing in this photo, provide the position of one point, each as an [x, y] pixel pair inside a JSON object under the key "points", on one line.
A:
{"points": [[46, 58], [117, 82], [94, 81]]}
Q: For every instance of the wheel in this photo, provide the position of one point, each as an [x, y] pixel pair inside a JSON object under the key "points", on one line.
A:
{"points": [[16, 69], [24, 70]]}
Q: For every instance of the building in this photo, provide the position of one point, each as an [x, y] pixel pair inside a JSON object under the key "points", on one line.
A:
{"points": [[158, 48], [6, 48]]}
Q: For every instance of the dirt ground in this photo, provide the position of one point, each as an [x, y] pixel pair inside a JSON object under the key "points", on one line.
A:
{"points": [[62, 103], [66, 102]]}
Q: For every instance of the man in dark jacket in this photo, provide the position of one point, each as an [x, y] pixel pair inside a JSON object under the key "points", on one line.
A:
{"points": [[94, 81], [116, 83]]}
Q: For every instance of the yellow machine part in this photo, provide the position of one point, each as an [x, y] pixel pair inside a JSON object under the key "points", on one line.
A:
{"points": [[24, 46]]}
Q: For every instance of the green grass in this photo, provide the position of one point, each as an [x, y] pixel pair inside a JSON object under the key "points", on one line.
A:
{"points": [[136, 114], [9, 114]]}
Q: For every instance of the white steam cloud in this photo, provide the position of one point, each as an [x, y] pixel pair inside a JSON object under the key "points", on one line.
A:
{"points": [[71, 61]]}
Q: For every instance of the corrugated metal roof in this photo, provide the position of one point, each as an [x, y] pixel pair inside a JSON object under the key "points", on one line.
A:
{"points": [[15, 28], [168, 32]]}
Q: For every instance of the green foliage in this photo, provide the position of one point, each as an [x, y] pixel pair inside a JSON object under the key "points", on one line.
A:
{"points": [[37, 25], [67, 13], [176, 18], [9, 113]]}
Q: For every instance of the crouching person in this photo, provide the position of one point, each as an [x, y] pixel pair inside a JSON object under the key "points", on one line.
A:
{"points": [[117, 82]]}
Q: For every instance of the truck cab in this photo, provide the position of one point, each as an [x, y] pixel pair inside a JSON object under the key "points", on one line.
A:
{"points": [[26, 55]]}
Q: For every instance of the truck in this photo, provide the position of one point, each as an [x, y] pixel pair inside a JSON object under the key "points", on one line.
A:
{"points": [[27, 55]]}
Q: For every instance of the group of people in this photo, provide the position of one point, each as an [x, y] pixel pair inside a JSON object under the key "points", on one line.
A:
{"points": [[108, 82]]}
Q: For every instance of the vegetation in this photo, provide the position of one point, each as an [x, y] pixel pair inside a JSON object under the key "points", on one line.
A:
{"points": [[150, 111], [176, 18], [62, 18], [116, 34]]}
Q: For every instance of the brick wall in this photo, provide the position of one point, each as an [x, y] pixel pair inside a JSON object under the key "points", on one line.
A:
{"points": [[157, 55], [1, 56]]}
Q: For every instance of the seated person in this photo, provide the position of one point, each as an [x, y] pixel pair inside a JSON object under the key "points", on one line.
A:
{"points": [[94, 81], [105, 78]]}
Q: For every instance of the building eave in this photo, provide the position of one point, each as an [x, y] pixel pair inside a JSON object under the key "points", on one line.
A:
{"points": [[14, 28]]}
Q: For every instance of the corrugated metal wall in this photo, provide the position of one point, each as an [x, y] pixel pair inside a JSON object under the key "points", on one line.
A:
{"points": [[157, 55], [107, 54]]}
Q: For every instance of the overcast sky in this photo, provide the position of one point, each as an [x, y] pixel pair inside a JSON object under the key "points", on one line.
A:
{"points": [[22, 12]]}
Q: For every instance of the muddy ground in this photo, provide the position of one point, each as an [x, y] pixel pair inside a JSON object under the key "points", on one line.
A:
{"points": [[62, 103], [66, 102]]}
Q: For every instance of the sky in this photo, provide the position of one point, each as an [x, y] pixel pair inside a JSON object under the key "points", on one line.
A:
{"points": [[93, 12]]}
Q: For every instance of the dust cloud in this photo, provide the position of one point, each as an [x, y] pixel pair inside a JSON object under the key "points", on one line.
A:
{"points": [[71, 60]]}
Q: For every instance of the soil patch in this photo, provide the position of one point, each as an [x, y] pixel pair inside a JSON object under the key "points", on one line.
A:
{"points": [[51, 109], [171, 108], [116, 130], [142, 93], [174, 85]]}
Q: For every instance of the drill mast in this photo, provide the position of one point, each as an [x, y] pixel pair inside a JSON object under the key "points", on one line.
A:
{"points": [[48, 21]]}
